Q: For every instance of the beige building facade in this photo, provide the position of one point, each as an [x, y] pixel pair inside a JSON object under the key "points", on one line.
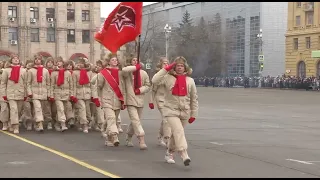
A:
{"points": [[303, 39], [53, 29]]}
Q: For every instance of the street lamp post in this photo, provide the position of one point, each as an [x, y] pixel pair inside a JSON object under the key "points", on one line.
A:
{"points": [[261, 57], [167, 30]]}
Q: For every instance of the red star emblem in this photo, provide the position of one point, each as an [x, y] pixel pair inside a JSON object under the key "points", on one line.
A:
{"points": [[124, 17]]}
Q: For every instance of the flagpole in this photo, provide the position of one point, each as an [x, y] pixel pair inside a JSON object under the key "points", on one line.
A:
{"points": [[138, 59]]}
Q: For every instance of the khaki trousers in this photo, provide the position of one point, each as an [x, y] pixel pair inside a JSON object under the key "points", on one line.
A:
{"points": [[27, 115], [165, 130], [178, 140], [4, 112], [83, 111], [41, 110], [111, 120], [16, 107], [97, 112], [64, 110], [135, 127], [119, 121]]}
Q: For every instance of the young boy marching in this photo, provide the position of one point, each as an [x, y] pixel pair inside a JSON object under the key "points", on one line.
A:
{"points": [[157, 94], [82, 91], [38, 89], [4, 108], [96, 112], [137, 84], [62, 93], [13, 90], [49, 65]]}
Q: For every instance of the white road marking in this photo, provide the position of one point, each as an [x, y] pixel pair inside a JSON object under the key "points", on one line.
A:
{"points": [[313, 161], [215, 143], [18, 163], [303, 162], [270, 126]]}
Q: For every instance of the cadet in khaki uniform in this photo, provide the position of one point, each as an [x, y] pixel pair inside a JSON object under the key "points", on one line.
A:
{"points": [[157, 95], [62, 93], [13, 89], [4, 108], [180, 104], [27, 116], [110, 82], [98, 116], [82, 92], [136, 87], [49, 65], [38, 88], [70, 65]]}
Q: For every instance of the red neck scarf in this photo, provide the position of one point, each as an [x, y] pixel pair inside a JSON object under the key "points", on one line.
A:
{"points": [[71, 71], [180, 87], [60, 80], [84, 78], [15, 73], [39, 73], [137, 79], [114, 74], [50, 71]]}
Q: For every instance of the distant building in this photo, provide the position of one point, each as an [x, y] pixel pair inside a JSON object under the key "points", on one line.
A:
{"points": [[244, 20], [50, 28], [303, 39]]}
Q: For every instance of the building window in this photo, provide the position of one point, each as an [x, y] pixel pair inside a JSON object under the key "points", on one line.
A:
{"points": [[85, 36], [308, 42], [70, 14], [318, 69], [295, 43], [71, 37], [297, 20], [85, 15], [51, 35], [301, 69], [50, 13], [12, 11], [298, 4], [309, 18], [13, 34], [34, 13], [34, 34]]}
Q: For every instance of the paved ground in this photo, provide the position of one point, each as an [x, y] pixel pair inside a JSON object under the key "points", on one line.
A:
{"points": [[239, 133]]}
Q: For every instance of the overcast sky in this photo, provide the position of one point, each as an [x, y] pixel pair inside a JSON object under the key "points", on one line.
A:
{"points": [[107, 7]]}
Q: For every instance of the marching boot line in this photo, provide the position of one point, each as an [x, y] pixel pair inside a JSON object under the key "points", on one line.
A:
{"points": [[60, 95]]}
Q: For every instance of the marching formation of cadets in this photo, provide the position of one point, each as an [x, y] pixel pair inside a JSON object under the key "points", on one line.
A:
{"points": [[60, 95]]}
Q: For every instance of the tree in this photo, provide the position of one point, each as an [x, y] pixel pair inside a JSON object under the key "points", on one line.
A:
{"points": [[184, 39], [151, 29], [217, 39], [203, 47]]}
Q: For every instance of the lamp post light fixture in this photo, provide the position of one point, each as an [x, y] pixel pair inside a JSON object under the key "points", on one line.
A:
{"points": [[261, 57], [167, 30]]}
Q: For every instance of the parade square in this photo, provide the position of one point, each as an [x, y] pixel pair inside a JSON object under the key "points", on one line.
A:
{"points": [[239, 133]]}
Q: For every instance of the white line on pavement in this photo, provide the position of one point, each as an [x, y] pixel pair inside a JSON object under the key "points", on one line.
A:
{"points": [[303, 162], [270, 126], [215, 143]]}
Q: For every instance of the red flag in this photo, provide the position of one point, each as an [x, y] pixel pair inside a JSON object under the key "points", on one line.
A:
{"points": [[122, 26]]}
